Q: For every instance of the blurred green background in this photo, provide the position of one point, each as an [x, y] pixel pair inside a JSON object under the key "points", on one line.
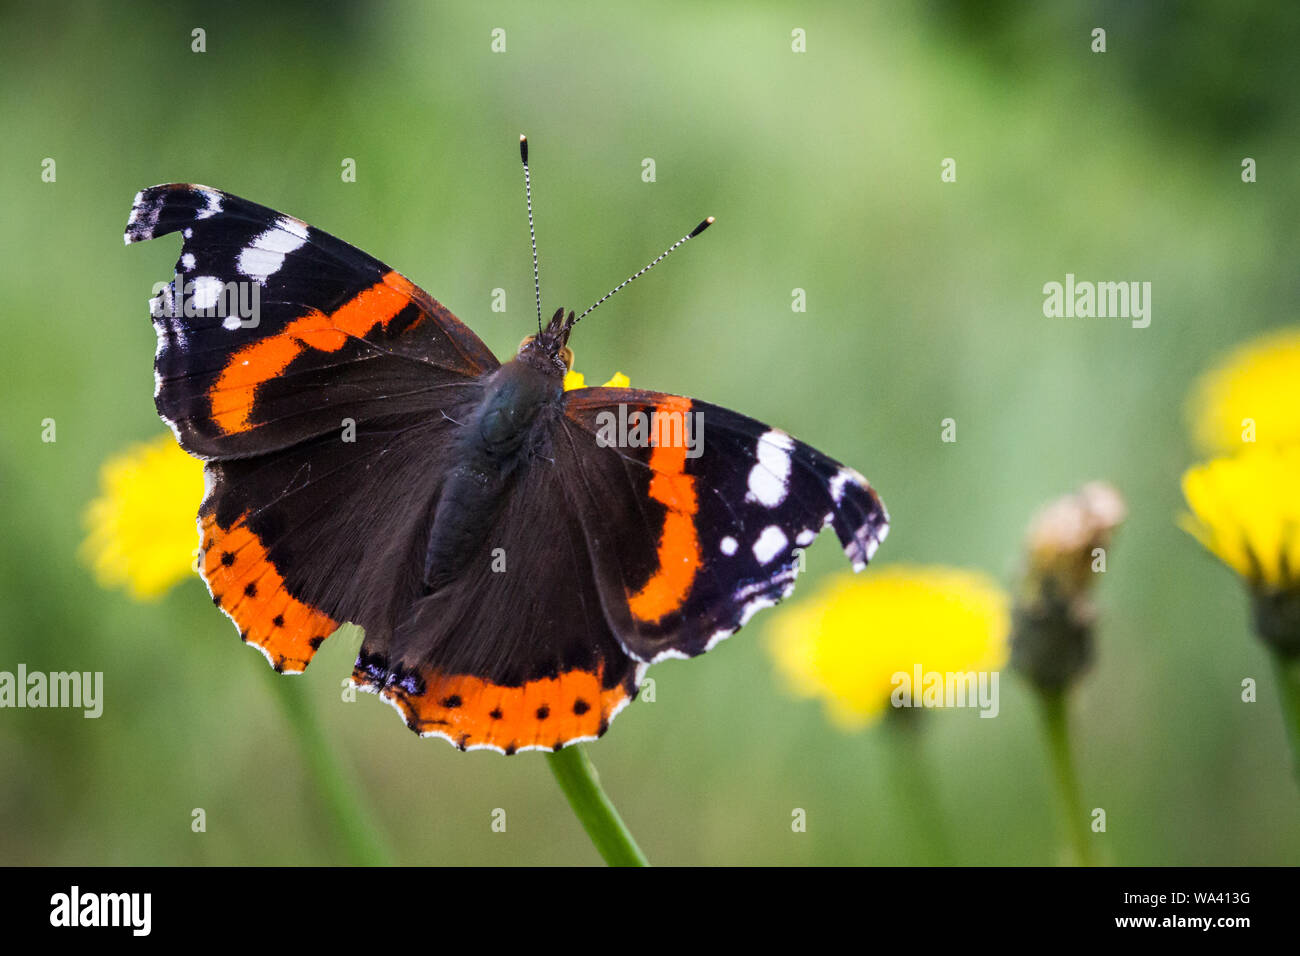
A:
{"points": [[924, 302]]}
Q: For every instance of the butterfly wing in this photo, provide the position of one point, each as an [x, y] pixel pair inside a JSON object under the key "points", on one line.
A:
{"points": [[273, 331], [690, 536], [299, 541], [339, 390], [514, 652]]}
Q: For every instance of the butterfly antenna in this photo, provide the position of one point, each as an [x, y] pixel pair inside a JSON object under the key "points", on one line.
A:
{"points": [[658, 259], [532, 233]]}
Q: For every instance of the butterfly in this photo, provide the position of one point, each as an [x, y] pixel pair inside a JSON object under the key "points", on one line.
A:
{"points": [[516, 553]]}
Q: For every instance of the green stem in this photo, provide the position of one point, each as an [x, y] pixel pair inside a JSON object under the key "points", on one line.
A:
{"points": [[1056, 723], [581, 785], [350, 820], [1288, 680], [915, 786]]}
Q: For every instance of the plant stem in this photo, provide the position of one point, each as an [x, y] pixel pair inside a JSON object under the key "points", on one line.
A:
{"points": [[915, 786], [581, 785], [351, 822], [1056, 723], [1288, 680]]}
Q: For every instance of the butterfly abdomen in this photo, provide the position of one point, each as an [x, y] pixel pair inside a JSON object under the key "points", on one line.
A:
{"points": [[492, 444]]}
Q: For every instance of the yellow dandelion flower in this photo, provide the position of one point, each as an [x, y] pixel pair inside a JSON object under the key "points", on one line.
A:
{"points": [[1252, 396], [1245, 510], [141, 530], [848, 642]]}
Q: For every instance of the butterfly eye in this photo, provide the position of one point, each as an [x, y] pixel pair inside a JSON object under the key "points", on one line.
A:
{"points": [[528, 339], [566, 356]]}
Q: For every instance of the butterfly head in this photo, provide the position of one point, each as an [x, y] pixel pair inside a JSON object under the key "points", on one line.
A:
{"points": [[548, 350]]}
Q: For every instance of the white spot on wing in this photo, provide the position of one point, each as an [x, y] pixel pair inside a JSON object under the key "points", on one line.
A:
{"points": [[213, 200], [265, 254], [207, 290], [769, 544], [295, 226], [837, 486], [774, 436], [769, 478], [842, 478], [728, 545]]}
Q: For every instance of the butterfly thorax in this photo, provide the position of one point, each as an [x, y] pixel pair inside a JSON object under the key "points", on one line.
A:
{"points": [[496, 438]]}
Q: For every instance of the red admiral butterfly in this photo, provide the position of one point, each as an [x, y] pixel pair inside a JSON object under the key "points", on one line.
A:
{"points": [[518, 554]]}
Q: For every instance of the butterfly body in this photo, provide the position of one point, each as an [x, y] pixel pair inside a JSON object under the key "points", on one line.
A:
{"points": [[499, 441], [368, 460]]}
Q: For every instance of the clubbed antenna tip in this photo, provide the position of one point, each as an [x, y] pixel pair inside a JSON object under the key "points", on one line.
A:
{"points": [[701, 227], [658, 259]]}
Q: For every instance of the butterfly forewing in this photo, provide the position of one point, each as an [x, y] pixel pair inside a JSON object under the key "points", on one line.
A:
{"points": [[272, 331], [694, 527]]}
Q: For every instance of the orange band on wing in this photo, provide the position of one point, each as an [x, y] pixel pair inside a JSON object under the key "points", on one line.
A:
{"points": [[235, 390], [679, 545], [471, 712], [246, 585]]}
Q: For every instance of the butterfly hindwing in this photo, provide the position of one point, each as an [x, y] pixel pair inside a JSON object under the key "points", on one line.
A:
{"points": [[695, 515], [272, 331], [514, 652], [326, 532]]}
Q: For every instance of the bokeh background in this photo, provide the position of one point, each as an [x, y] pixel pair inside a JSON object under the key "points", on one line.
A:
{"points": [[924, 301]]}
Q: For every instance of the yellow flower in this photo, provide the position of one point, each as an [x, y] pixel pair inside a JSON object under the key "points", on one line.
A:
{"points": [[1246, 511], [847, 643], [142, 530], [574, 380], [1257, 383]]}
